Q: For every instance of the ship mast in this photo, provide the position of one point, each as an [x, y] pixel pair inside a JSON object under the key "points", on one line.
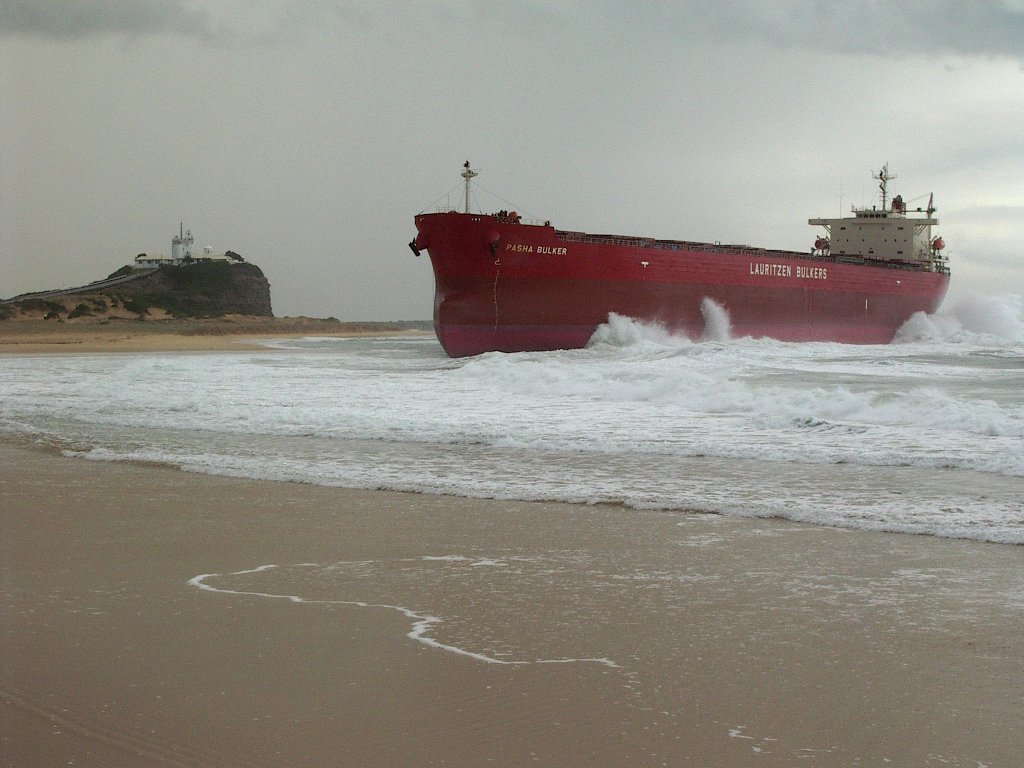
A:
{"points": [[884, 177], [467, 175]]}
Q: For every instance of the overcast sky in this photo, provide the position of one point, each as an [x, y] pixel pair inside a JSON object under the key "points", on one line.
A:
{"points": [[306, 135]]}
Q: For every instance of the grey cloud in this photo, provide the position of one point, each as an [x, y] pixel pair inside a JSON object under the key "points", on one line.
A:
{"points": [[940, 27], [88, 18], [937, 28], [930, 27]]}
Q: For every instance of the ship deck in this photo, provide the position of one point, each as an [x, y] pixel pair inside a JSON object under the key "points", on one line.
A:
{"points": [[744, 250]]}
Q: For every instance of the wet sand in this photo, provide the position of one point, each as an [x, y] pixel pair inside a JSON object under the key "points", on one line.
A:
{"points": [[397, 629], [187, 335]]}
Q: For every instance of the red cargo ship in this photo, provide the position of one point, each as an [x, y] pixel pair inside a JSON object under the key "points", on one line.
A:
{"points": [[509, 285]]}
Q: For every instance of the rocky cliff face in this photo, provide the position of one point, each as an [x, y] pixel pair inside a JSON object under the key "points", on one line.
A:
{"points": [[206, 289], [197, 290]]}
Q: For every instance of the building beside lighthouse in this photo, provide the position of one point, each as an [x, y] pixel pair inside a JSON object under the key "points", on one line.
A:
{"points": [[182, 253]]}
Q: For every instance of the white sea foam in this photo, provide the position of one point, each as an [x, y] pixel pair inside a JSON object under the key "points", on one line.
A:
{"points": [[925, 436], [422, 624], [621, 331], [975, 319], [717, 325]]}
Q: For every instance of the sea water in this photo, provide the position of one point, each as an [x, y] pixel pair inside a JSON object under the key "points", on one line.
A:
{"points": [[925, 435]]}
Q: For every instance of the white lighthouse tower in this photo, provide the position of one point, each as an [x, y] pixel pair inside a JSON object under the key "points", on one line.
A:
{"points": [[181, 245]]}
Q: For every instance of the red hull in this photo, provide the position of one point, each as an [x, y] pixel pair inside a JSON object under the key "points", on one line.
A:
{"points": [[501, 286]]}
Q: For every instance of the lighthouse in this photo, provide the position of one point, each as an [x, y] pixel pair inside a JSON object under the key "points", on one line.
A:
{"points": [[183, 253], [181, 245]]}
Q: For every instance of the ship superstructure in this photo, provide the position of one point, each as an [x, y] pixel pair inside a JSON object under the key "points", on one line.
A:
{"points": [[889, 233]]}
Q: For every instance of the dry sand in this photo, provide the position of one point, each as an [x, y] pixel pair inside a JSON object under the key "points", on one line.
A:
{"points": [[198, 335], [734, 642]]}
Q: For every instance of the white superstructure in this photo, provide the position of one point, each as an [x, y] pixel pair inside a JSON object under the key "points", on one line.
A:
{"points": [[885, 233]]}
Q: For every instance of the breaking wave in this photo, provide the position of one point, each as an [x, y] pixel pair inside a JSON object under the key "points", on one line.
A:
{"points": [[622, 331], [976, 319], [973, 320], [717, 325], [924, 436]]}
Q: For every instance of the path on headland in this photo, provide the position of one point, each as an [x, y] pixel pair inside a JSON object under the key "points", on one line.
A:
{"points": [[98, 285]]}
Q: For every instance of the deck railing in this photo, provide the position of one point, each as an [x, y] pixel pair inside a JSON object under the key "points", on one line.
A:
{"points": [[748, 250]]}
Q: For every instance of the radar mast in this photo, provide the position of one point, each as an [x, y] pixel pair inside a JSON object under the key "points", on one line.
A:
{"points": [[467, 175], [884, 177]]}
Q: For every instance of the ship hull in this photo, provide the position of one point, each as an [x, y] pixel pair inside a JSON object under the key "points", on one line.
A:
{"points": [[508, 287]]}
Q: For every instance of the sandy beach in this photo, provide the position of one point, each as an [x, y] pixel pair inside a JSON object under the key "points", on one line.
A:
{"points": [[154, 617], [170, 335]]}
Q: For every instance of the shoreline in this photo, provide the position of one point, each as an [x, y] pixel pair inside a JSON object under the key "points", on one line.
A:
{"points": [[232, 333], [159, 617]]}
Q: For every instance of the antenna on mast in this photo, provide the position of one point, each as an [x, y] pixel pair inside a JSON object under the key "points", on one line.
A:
{"points": [[884, 176], [467, 175]]}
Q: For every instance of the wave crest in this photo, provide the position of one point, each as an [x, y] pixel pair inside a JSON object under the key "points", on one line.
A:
{"points": [[717, 324], [622, 331], [974, 319]]}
